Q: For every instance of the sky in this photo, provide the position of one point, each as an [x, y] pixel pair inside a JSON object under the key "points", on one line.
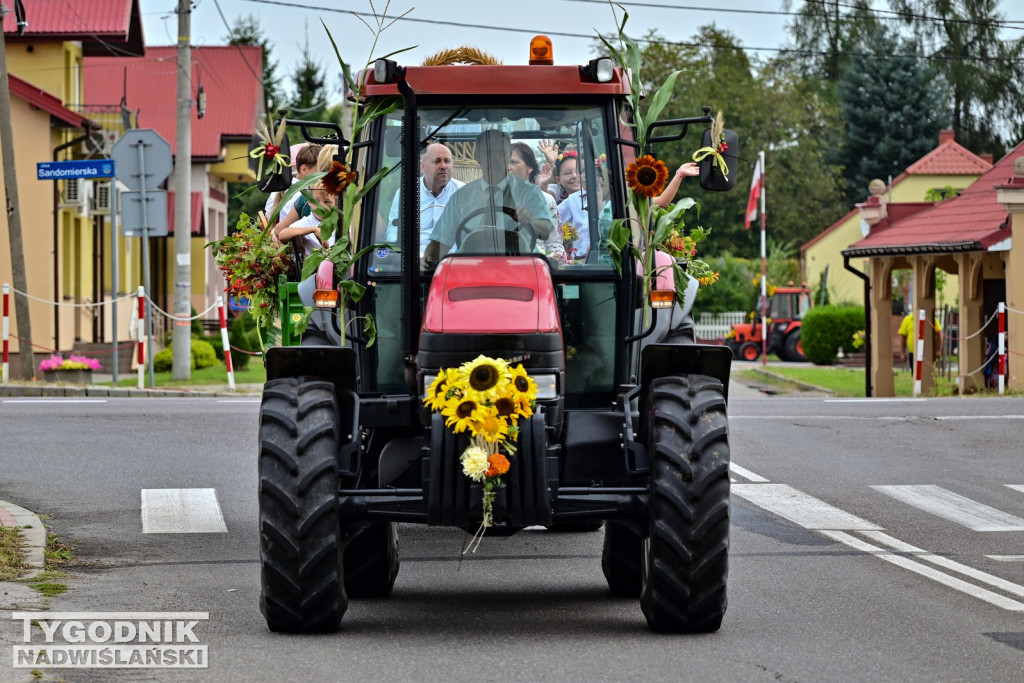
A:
{"points": [[501, 27]]}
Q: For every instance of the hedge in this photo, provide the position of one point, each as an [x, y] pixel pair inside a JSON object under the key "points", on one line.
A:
{"points": [[825, 328], [203, 356]]}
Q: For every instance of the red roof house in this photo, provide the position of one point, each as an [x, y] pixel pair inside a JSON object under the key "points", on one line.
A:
{"points": [[103, 27], [230, 78]]}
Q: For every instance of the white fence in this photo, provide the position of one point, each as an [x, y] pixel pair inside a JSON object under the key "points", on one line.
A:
{"points": [[715, 325]]}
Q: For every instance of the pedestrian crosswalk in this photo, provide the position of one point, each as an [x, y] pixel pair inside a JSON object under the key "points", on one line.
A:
{"points": [[954, 507], [868, 536]]}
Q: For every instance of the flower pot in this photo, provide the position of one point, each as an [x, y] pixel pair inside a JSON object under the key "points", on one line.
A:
{"points": [[68, 376]]}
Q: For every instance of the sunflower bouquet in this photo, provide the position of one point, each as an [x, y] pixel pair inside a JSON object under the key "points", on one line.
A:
{"points": [[484, 398]]}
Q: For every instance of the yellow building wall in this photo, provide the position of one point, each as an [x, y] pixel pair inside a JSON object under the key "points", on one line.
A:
{"points": [[51, 66], [235, 167], [844, 286], [35, 197]]}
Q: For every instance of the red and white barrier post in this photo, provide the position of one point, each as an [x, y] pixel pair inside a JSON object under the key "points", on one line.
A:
{"points": [[224, 341], [142, 336], [1002, 348], [919, 354], [7, 333]]}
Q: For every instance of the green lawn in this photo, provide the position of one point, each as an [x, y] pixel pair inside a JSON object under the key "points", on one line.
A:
{"points": [[847, 381], [255, 373]]}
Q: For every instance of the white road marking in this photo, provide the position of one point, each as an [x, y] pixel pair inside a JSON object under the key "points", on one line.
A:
{"points": [[873, 400], [800, 508], [945, 562], [953, 507], [926, 571], [1017, 487], [882, 418], [1006, 558], [747, 474], [181, 511], [240, 400]]}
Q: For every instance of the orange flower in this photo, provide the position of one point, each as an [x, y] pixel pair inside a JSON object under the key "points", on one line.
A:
{"points": [[647, 176], [338, 178], [499, 465]]}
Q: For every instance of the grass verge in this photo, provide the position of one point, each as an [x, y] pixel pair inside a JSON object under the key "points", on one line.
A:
{"points": [[846, 382], [12, 558], [254, 373]]}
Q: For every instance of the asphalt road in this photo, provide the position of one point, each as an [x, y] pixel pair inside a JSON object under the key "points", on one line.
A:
{"points": [[871, 540]]}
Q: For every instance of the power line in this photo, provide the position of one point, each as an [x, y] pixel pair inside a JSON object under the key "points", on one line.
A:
{"points": [[789, 51]]}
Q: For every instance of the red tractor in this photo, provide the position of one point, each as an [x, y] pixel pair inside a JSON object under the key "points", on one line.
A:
{"points": [[630, 428], [786, 307]]}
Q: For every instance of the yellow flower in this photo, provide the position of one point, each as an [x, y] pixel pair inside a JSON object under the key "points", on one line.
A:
{"points": [[523, 384], [709, 279], [524, 406], [461, 412], [437, 393], [474, 463], [491, 427], [484, 374]]}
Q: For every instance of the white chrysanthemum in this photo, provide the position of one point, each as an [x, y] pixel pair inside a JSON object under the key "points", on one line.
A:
{"points": [[474, 463]]}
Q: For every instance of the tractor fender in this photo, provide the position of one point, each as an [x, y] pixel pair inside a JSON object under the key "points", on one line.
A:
{"points": [[663, 360], [335, 364]]}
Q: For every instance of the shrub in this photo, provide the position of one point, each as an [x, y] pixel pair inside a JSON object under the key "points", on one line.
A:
{"points": [[826, 328], [217, 343], [202, 354], [242, 335]]}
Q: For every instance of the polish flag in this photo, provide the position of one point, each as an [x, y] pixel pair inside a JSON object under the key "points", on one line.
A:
{"points": [[755, 193]]}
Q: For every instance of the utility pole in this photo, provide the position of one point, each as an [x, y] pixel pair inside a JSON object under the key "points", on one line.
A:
{"points": [[181, 363], [20, 280]]}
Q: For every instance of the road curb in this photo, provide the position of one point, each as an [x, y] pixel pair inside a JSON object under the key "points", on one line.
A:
{"points": [[805, 386], [32, 530], [73, 391]]}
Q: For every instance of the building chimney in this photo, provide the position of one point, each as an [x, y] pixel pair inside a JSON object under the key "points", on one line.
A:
{"points": [[987, 158], [946, 135]]}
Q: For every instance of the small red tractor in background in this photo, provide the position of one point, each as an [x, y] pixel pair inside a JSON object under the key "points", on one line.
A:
{"points": [[786, 307]]}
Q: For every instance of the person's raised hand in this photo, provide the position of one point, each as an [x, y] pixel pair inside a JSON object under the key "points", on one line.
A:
{"points": [[549, 150]]}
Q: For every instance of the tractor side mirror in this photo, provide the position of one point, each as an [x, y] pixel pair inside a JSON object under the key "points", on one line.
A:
{"points": [[711, 177], [277, 182]]}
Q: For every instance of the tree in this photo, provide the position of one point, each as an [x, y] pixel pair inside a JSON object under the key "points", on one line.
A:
{"points": [[825, 31], [894, 108], [983, 71], [247, 31], [309, 81], [776, 108]]}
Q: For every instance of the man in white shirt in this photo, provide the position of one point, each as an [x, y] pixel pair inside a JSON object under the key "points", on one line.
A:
{"points": [[493, 199], [436, 188]]}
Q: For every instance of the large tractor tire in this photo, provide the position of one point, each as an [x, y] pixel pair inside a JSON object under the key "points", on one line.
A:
{"points": [[685, 559], [371, 561], [622, 558], [795, 347], [300, 538]]}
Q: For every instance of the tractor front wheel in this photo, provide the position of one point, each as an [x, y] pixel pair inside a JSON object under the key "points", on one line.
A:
{"points": [[685, 558], [300, 539], [622, 558], [371, 561]]}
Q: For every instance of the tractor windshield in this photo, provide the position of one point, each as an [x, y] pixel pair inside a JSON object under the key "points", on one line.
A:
{"points": [[503, 181]]}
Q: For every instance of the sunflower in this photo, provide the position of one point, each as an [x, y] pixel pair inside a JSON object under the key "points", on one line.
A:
{"points": [[491, 427], [506, 406], [437, 393], [647, 176], [338, 178], [523, 385], [485, 374], [499, 465], [462, 412], [474, 463]]}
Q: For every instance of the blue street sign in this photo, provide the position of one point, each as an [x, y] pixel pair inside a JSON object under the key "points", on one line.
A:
{"points": [[90, 169]]}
